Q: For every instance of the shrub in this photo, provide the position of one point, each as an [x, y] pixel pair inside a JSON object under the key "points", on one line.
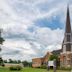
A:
{"points": [[43, 67], [63, 68], [15, 68], [3, 65]]}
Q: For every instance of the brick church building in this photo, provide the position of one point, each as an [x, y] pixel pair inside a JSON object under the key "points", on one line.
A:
{"points": [[66, 53], [37, 62]]}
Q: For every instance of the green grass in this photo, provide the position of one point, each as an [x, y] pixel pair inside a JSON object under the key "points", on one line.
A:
{"points": [[29, 70]]}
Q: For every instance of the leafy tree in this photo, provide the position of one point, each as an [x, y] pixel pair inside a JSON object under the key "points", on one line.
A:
{"points": [[30, 64], [10, 61], [1, 40], [5, 61], [19, 61], [55, 57], [1, 61], [25, 63], [14, 61], [52, 57]]}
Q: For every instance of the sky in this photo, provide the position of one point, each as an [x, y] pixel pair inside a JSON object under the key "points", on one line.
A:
{"points": [[31, 28]]}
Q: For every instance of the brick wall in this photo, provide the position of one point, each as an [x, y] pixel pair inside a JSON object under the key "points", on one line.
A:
{"points": [[37, 62], [66, 59]]}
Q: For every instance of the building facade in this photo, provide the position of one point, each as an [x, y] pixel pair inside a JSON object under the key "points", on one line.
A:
{"points": [[38, 62], [66, 53]]}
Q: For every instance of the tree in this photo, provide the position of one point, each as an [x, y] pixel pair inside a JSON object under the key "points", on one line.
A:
{"points": [[5, 61], [25, 63], [55, 57], [1, 62], [30, 64], [19, 61], [1, 40], [14, 61], [52, 57], [10, 61]]}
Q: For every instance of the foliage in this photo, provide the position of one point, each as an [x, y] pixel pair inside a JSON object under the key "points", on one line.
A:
{"points": [[15, 68], [1, 62], [3, 69], [43, 66], [63, 68], [5, 61], [52, 57], [55, 57], [18, 61], [1, 40], [14, 61], [27, 64], [3, 65]]}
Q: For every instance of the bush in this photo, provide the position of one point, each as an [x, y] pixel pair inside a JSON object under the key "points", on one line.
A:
{"points": [[63, 68], [3, 65], [43, 67], [15, 68]]}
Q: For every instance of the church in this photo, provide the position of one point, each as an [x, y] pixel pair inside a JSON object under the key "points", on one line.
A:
{"points": [[66, 53]]}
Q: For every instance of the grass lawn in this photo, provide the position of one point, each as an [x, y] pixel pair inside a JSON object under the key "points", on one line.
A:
{"points": [[29, 70]]}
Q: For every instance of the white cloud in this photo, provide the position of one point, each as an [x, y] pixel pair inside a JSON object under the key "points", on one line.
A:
{"points": [[16, 16], [36, 45], [48, 36]]}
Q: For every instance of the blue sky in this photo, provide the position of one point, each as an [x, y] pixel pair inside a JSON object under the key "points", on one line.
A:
{"points": [[32, 27], [54, 23]]}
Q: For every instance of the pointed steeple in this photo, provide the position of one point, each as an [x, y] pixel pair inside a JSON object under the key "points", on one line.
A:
{"points": [[66, 45], [68, 25]]}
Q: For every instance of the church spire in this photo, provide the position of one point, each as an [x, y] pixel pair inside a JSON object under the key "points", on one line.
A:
{"points": [[68, 25]]}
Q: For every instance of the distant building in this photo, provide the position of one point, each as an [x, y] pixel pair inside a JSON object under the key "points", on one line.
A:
{"points": [[66, 53], [37, 62]]}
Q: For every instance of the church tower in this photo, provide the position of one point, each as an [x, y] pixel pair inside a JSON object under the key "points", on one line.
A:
{"points": [[66, 54], [68, 35]]}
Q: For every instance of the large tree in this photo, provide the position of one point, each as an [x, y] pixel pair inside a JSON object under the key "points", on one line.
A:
{"points": [[1, 39], [1, 42], [53, 57], [1, 61]]}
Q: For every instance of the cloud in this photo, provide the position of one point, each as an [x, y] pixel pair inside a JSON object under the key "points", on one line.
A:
{"points": [[35, 44], [24, 38]]}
